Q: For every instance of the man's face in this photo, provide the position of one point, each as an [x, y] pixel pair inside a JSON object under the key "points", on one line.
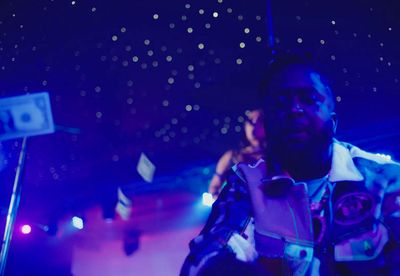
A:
{"points": [[298, 110]]}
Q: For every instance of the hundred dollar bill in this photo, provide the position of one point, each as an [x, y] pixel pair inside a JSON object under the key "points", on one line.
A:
{"points": [[26, 115]]}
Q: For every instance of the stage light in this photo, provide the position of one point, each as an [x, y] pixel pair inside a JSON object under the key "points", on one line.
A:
{"points": [[26, 229], [208, 199], [77, 222]]}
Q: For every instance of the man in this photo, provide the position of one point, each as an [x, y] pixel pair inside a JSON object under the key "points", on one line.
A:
{"points": [[315, 206]]}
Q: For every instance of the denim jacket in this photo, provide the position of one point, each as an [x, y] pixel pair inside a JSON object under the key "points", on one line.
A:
{"points": [[360, 226]]}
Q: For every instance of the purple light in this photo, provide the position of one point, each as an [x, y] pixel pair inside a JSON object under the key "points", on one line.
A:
{"points": [[26, 229]]}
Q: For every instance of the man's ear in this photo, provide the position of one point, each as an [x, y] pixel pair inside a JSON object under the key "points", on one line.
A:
{"points": [[334, 121]]}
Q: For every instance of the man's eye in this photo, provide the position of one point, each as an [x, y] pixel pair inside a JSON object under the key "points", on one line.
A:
{"points": [[311, 98]]}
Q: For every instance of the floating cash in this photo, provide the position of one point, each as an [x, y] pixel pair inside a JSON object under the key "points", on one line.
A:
{"points": [[24, 116], [145, 168], [124, 205]]}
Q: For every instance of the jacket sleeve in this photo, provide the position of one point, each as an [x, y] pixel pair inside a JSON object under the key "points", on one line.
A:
{"points": [[391, 216], [225, 227], [391, 202]]}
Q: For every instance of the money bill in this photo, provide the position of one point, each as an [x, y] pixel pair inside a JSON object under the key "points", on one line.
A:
{"points": [[145, 168], [26, 115]]}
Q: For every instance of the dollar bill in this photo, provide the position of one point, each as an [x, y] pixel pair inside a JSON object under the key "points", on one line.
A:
{"points": [[124, 205], [26, 115], [145, 168]]}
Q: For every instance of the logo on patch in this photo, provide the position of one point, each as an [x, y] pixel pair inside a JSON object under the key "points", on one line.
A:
{"points": [[353, 208]]}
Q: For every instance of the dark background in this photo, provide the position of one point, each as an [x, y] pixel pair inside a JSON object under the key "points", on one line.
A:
{"points": [[127, 77]]}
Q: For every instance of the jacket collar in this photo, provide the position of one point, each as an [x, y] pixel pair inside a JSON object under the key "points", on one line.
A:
{"points": [[343, 167]]}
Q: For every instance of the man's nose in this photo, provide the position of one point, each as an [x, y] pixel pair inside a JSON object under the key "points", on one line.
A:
{"points": [[296, 105]]}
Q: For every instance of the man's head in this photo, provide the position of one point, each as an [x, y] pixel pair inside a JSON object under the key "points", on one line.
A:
{"points": [[298, 105]]}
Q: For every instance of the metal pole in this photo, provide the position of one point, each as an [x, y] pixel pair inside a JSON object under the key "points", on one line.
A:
{"points": [[13, 208]]}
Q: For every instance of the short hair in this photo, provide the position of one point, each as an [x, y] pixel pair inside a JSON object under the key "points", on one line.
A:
{"points": [[281, 62]]}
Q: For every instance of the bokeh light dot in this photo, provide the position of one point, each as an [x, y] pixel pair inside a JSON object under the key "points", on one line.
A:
{"points": [[115, 158], [26, 229]]}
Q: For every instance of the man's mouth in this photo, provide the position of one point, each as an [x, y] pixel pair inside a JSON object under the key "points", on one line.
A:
{"points": [[302, 135], [297, 131]]}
